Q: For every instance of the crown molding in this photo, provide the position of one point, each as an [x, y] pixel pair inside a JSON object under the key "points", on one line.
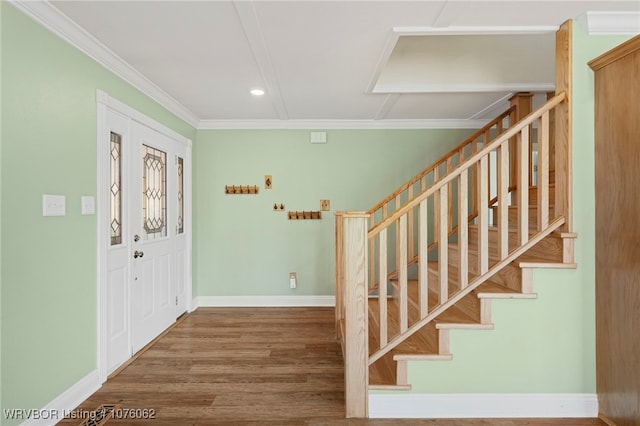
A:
{"points": [[475, 30], [339, 124], [610, 23], [464, 88], [59, 24]]}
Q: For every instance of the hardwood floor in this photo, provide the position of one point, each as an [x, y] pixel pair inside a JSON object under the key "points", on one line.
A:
{"points": [[248, 366]]}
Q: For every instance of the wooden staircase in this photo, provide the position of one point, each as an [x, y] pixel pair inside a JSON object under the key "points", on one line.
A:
{"points": [[432, 256], [471, 312]]}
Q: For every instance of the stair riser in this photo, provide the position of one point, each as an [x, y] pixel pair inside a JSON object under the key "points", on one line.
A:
{"points": [[547, 250], [469, 304], [533, 194], [513, 213]]}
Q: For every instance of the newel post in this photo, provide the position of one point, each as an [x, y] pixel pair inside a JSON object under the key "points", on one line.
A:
{"points": [[563, 126], [339, 310], [356, 354]]}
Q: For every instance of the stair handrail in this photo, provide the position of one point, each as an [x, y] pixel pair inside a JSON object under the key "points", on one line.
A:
{"points": [[444, 158], [526, 241], [491, 146]]}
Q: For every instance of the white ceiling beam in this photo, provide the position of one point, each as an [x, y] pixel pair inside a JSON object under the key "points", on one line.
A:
{"points": [[444, 16], [493, 109], [253, 32], [387, 105], [383, 60]]}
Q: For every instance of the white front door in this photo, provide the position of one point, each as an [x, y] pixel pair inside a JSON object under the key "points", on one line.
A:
{"points": [[144, 269], [154, 189], [118, 346]]}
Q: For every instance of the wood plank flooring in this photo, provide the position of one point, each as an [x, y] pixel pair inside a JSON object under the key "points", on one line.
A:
{"points": [[249, 366]]}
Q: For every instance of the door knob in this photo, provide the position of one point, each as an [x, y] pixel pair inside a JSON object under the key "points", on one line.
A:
{"points": [[137, 254]]}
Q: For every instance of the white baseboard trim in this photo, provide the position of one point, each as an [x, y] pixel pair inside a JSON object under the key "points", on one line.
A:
{"points": [[64, 403], [263, 301], [441, 406]]}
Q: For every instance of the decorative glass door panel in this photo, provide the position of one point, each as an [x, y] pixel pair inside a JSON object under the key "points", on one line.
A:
{"points": [[180, 225], [115, 188], [154, 192]]}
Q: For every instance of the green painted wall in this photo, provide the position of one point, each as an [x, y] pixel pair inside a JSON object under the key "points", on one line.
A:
{"points": [[243, 247], [545, 345], [48, 264]]}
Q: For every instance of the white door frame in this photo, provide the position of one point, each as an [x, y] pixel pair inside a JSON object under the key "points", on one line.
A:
{"points": [[104, 102]]}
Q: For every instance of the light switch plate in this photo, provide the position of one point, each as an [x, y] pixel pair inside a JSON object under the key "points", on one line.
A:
{"points": [[325, 205], [53, 205], [88, 204]]}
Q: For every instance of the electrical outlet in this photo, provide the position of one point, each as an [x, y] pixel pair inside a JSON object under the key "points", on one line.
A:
{"points": [[293, 280], [325, 205], [278, 207]]}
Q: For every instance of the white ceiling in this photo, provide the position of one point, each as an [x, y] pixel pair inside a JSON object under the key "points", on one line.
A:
{"points": [[413, 63]]}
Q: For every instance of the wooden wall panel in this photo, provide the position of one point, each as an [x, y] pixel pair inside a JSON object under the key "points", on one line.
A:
{"points": [[617, 157]]}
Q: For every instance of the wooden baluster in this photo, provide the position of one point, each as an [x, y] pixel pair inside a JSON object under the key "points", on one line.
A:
{"points": [[402, 273], [543, 172], [436, 209], [339, 311], [487, 139], [523, 103], [523, 179], [423, 259], [411, 226], [503, 199], [483, 216], [398, 236], [474, 178], [531, 167], [372, 254], [463, 228], [450, 197], [552, 136], [443, 246], [356, 352], [382, 289]]}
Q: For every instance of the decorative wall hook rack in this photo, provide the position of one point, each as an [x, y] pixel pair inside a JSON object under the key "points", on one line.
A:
{"points": [[240, 189], [295, 215]]}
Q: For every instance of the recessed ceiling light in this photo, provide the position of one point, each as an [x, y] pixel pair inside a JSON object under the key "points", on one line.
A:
{"points": [[257, 92]]}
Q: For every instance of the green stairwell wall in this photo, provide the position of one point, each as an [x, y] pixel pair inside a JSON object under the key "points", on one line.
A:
{"points": [[244, 248]]}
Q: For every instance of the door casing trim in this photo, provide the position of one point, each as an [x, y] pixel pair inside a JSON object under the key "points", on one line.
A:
{"points": [[104, 102]]}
